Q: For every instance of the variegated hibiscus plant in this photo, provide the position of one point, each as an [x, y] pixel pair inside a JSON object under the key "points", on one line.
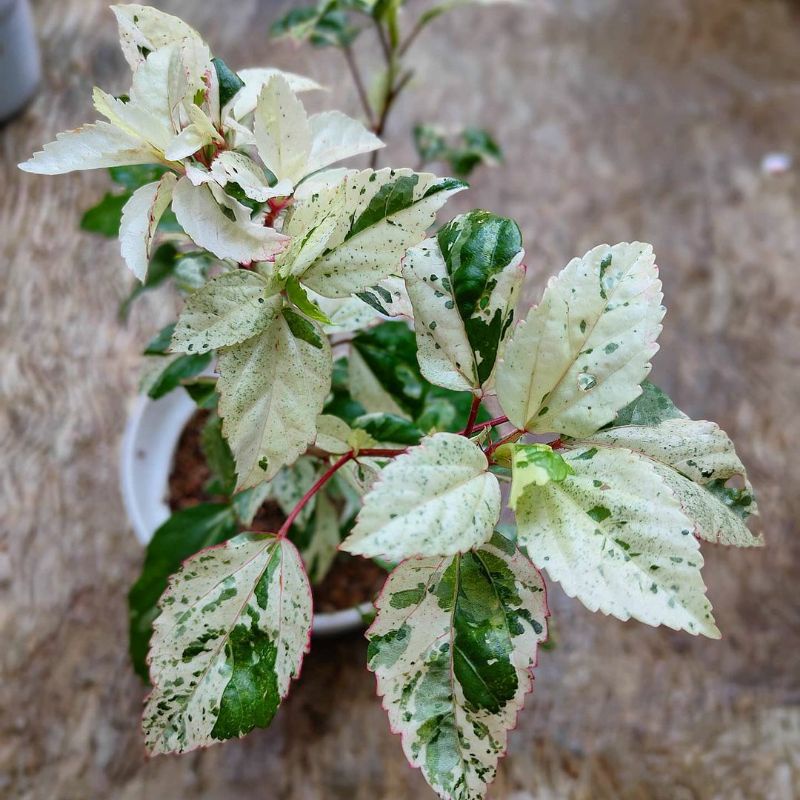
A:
{"points": [[393, 439]]}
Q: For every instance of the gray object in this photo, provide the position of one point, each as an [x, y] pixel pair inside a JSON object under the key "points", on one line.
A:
{"points": [[20, 65]]}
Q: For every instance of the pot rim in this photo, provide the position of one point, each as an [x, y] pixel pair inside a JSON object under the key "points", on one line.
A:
{"points": [[146, 457]]}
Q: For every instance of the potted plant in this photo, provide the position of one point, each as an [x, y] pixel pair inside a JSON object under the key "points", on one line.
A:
{"points": [[385, 427]]}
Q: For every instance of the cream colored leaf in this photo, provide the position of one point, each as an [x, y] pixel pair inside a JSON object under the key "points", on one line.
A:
{"points": [[581, 355], [229, 309], [614, 536], [437, 499], [272, 388], [242, 170], [335, 136], [235, 623], [697, 460], [140, 218], [282, 130], [203, 220], [246, 98], [94, 146]]}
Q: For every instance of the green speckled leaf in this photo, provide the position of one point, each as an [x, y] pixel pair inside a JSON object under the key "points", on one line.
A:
{"points": [[452, 648], [437, 499], [698, 461], [463, 286], [228, 310], [359, 229], [532, 465], [651, 407], [272, 388], [582, 353], [233, 629], [614, 536]]}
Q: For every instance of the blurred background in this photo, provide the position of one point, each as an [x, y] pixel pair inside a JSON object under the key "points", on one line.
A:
{"points": [[620, 120]]}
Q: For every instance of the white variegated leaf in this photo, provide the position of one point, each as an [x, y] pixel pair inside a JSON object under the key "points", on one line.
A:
{"points": [[272, 388], [201, 217], [581, 355], [697, 460], [255, 79], [229, 309], [463, 284], [234, 626], [282, 130], [335, 137], [437, 499], [140, 218], [363, 227], [452, 647], [292, 482], [242, 170], [614, 536], [93, 146], [143, 29], [366, 388]]}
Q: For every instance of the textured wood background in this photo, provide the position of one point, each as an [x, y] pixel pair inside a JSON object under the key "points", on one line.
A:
{"points": [[621, 119]]}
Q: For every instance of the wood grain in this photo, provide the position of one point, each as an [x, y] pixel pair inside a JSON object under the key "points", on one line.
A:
{"points": [[621, 119]]}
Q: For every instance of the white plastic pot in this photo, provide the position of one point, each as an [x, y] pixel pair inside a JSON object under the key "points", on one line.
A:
{"points": [[148, 448]]}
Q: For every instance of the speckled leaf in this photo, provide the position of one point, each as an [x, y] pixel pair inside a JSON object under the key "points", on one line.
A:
{"points": [[614, 536], [463, 286], [229, 309], [532, 465], [438, 499], [92, 146], [143, 29], [452, 647], [240, 239], [272, 388], [323, 539], [234, 626], [256, 78], [698, 461], [140, 218], [335, 137], [581, 355], [651, 407], [369, 220]]}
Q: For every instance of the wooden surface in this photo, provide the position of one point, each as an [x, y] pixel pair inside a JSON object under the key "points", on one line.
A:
{"points": [[622, 119]]}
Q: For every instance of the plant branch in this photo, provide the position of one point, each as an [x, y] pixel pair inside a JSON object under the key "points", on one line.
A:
{"points": [[512, 437], [491, 423], [473, 413], [349, 56], [321, 481]]}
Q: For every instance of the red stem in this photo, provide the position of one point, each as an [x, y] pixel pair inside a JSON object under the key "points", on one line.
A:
{"points": [[473, 413], [492, 447], [488, 424], [321, 481]]}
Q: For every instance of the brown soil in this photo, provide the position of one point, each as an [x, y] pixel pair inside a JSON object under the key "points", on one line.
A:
{"points": [[350, 582]]}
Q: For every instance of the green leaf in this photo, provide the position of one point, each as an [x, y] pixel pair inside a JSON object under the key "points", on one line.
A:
{"points": [[479, 148], [581, 354], [340, 402], [651, 407], [235, 623], [105, 217], [302, 328], [228, 310], [532, 465], [162, 266], [272, 387], [437, 499], [177, 369], [319, 25], [429, 142], [229, 81], [203, 391], [363, 227], [614, 536], [453, 646], [218, 455], [159, 344], [389, 428], [463, 286], [297, 295], [135, 176], [182, 535], [698, 461]]}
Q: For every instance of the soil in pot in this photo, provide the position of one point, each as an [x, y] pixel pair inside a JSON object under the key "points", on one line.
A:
{"points": [[350, 581]]}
